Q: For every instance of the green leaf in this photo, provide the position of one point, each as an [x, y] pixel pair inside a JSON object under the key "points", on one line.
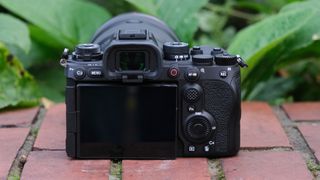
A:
{"points": [[51, 80], [14, 32], [269, 44], [68, 21], [178, 14], [17, 86]]}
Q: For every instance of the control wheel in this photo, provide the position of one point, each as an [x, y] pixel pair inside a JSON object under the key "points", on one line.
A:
{"points": [[199, 127]]}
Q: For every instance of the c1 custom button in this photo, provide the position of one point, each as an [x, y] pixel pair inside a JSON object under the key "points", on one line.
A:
{"points": [[223, 74], [95, 73], [79, 73], [173, 72]]}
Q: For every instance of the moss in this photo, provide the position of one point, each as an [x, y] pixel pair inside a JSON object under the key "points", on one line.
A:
{"points": [[313, 167], [116, 170]]}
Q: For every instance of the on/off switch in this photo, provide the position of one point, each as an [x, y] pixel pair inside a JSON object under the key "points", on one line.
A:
{"points": [[173, 72]]}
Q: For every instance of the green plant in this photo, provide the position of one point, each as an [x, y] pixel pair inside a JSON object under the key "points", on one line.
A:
{"points": [[277, 41], [52, 25], [17, 87]]}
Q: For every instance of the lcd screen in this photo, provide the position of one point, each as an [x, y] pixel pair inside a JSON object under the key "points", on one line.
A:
{"points": [[127, 121]]}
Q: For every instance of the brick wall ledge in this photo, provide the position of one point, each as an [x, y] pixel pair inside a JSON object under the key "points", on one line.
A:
{"points": [[276, 143]]}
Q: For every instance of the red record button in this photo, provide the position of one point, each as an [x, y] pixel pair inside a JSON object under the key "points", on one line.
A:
{"points": [[173, 72]]}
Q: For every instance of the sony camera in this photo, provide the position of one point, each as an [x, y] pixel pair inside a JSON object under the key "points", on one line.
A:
{"points": [[137, 92]]}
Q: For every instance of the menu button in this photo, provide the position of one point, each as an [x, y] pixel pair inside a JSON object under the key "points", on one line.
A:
{"points": [[95, 73]]}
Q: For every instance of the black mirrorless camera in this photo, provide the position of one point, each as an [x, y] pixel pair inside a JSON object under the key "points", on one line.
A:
{"points": [[137, 92]]}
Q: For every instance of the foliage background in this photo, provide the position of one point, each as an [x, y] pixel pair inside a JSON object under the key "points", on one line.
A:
{"points": [[279, 39]]}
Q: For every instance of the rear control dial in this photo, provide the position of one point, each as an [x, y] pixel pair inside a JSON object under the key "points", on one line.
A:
{"points": [[199, 127]]}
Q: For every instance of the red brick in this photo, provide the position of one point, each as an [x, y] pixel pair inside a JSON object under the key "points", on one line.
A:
{"points": [[56, 165], [304, 111], [183, 168], [266, 165], [311, 133], [260, 127], [52, 132], [22, 117], [11, 139]]}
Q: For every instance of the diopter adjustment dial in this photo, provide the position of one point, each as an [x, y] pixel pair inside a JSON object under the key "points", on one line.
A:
{"points": [[199, 127], [176, 51]]}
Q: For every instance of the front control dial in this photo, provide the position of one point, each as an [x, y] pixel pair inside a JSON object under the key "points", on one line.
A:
{"points": [[199, 127]]}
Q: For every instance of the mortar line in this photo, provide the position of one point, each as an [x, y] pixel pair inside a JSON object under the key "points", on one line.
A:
{"points": [[298, 141], [216, 169], [115, 171], [22, 154]]}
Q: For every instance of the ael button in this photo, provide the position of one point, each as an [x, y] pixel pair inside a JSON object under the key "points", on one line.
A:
{"points": [[79, 73], [173, 72], [192, 74]]}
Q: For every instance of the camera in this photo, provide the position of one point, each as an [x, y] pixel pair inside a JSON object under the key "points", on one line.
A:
{"points": [[136, 92]]}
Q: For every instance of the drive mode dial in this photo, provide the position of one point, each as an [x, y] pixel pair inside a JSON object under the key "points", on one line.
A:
{"points": [[199, 127]]}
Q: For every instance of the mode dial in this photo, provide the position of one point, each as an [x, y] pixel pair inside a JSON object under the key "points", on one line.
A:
{"points": [[176, 51], [225, 60], [87, 52]]}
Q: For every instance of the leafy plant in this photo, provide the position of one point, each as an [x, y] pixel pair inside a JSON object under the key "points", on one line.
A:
{"points": [[277, 41], [53, 25], [178, 14], [17, 87]]}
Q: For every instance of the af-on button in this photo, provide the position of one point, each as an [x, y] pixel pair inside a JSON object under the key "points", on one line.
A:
{"points": [[192, 74]]}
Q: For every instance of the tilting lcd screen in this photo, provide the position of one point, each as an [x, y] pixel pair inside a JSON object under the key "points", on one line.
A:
{"points": [[127, 121]]}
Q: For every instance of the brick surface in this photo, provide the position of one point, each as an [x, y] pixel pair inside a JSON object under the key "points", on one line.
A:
{"points": [[52, 133], [266, 165], [304, 111], [56, 165], [260, 127], [179, 169], [11, 139], [22, 117], [311, 133]]}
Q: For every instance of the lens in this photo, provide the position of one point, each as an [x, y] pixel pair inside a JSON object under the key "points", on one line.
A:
{"points": [[132, 60]]}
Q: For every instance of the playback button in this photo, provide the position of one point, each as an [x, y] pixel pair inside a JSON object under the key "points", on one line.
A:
{"points": [[94, 73]]}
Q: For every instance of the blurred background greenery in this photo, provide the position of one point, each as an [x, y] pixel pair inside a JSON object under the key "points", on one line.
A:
{"points": [[279, 39]]}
